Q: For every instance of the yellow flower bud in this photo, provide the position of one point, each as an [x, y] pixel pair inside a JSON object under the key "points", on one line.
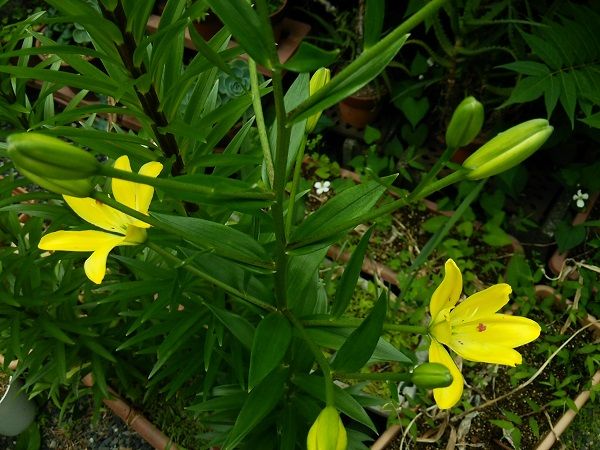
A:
{"points": [[465, 123], [328, 432], [320, 78], [48, 157], [508, 149], [431, 375]]}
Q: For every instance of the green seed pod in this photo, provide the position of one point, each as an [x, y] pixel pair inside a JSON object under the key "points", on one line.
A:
{"points": [[431, 375], [320, 78], [465, 124], [328, 432], [49, 157], [508, 149], [75, 188]]}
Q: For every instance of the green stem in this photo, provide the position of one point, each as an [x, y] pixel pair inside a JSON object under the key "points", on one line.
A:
{"points": [[454, 177], [281, 155], [355, 323], [319, 357], [383, 376], [167, 183], [294, 189], [197, 272], [26, 197], [260, 119], [443, 159]]}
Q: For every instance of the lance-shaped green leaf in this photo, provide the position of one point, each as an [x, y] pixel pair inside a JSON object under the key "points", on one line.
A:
{"points": [[223, 240], [359, 346], [347, 283], [247, 28], [271, 340], [340, 212], [260, 402], [236, 324]]}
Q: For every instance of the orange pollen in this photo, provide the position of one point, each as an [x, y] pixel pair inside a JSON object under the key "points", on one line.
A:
{"points": [[481, 327], [99, 203]]}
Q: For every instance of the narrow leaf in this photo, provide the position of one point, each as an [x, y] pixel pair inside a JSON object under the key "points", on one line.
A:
{"points": [[271, 341], [359, 346], [346, 285]]}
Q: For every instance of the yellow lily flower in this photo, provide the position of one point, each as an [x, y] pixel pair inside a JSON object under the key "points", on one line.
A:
{"points": [[124, 229], [473, 329]]}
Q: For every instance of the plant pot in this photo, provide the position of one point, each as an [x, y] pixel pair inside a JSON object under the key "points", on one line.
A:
{"points": [[361, 109], [16, 410]]}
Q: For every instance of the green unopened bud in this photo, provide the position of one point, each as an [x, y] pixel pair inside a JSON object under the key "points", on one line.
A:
{"points": [[328, 432], [431, 375], [74, 188], [508, 149], [320, 78], [465, 123], [49, 157]]}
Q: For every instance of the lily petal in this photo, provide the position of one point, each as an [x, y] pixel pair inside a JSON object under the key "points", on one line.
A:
{"points": [[492, 339], [95, 265], [481, 304], [135, 195], [145, 192], [98, 214], [486, 352], [499, 329], [78, 241], [448, 292], [449, 396], [123, 191]]}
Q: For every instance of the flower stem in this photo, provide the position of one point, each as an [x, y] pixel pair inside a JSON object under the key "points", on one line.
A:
{"points": [[355, 323], [384, 376], [260, 119], [294, 189], [319, 357], [281, 155]]}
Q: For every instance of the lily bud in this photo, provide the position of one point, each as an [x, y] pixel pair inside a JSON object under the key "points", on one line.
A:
{"points": [[75, 188], [508, 149], [328, 432], [49, 157], [320, 78], [431, 375], [465, 123]]}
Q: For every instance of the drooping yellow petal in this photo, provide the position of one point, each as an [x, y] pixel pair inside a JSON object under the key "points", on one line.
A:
{"points": [[77, 241], [98, 214], [448, 292], [135, 195], [481, 304], [95, 265], [449, 396]]}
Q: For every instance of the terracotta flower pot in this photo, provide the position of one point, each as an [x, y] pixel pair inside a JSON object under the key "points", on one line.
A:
{"points": [[362, 108]]}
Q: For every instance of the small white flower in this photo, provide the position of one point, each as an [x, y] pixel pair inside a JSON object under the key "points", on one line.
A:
{"points": [[430, 62], [421, 77], [323, 187], [580, 198]]}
